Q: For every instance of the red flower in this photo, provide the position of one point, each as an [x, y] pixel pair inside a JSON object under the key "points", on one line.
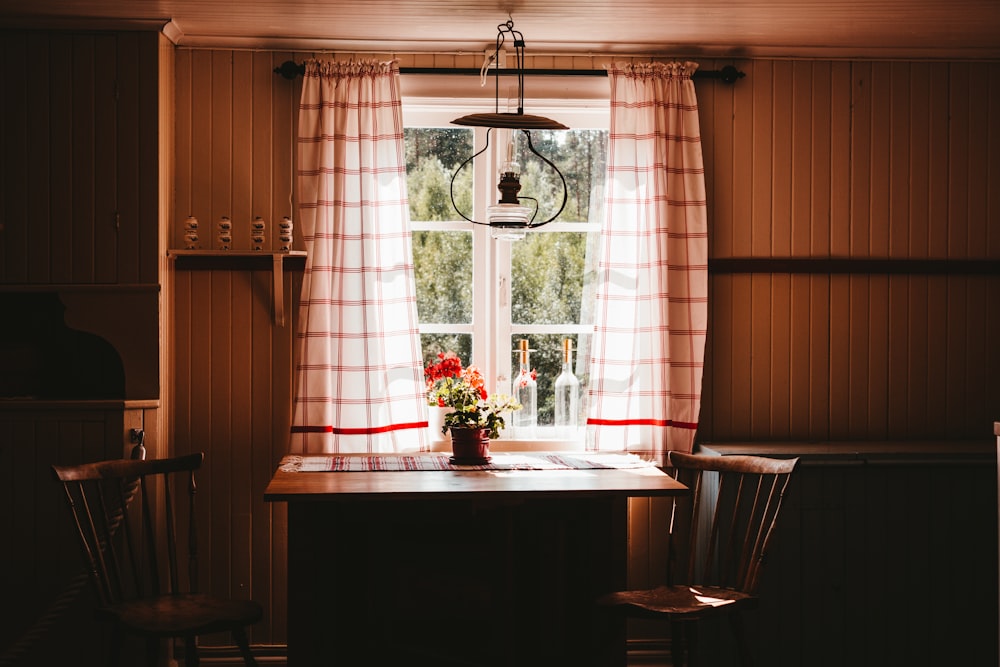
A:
{"points": [[448, 366]]}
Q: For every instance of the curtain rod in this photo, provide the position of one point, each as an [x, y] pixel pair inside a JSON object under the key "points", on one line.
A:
{"points": [[728, 74]]}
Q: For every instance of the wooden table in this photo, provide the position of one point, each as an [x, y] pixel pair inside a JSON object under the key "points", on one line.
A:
{"points": [[496, 567]]}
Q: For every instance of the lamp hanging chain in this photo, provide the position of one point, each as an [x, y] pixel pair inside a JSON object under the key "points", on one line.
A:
{"points": [[518, 39]]}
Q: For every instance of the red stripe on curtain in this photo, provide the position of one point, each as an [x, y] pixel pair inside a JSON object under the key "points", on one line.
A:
{"points": [[641, 422], [357, 431]]}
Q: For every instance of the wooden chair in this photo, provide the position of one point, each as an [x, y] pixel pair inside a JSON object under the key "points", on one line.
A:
{"points": [[717, 543], [126, 517]]}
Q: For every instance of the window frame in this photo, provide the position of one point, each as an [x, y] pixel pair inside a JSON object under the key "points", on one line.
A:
{"points": [[491, 258]]}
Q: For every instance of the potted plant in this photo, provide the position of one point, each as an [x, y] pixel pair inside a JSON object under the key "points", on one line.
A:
{"points": [[475, 416]]}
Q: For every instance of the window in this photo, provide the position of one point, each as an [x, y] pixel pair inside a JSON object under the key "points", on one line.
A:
{"points": [[478, 296]]}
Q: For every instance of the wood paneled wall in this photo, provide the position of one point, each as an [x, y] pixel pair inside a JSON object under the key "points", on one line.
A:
{"points": [[804, 159], [78, 172], [813, 160]]}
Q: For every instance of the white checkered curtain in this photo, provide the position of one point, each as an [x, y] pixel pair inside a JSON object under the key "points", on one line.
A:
{"points": [[359, 372], [652, 296]]}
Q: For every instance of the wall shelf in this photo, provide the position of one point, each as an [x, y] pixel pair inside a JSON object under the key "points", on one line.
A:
{"points": [[206, 260]]}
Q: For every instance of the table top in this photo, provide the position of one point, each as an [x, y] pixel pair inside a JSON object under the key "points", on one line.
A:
{"points": [[480, 484]]}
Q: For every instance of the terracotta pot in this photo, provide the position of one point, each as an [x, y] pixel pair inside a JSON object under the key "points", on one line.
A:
{"points": [[470, 444]]}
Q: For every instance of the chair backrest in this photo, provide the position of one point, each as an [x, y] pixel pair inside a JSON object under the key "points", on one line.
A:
{"points": [[719, 534], [126, 514]]}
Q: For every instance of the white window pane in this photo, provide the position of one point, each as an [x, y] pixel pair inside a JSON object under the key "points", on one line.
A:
{"points": [[433, 344], [580, 157], [550, 277], [442, 267], [432, 157]]}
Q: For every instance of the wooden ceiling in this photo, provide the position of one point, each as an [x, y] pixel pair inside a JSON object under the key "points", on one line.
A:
{"points": [[730, 28]]}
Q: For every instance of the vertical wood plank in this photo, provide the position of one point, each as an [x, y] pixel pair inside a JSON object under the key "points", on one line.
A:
{"points": [[937, 166], [760, 385], [801, 177], [820, 161], [801, 339], [780, 366], [821, 367], [879, 143], [937, 359], [742, 347], [183, 149], [743, 185], [262, 136], [243, 107], [899, 354], [717, 410], [840, 356], [61, 176], [241, 429], [992, 103], [202, 140], [898, 190], [761, 218], [130, 159], [105, 167], [841, 114], [959, 139], [33, 198], [878, 357], [261, 418], [918, 145], [82, 187], [148, 242], [283, 151], [861, 165], [919, 410], [782, 129], [977, 187], [956, 321], [222, 137], [23, 247], [975, 347], [221, 323]]}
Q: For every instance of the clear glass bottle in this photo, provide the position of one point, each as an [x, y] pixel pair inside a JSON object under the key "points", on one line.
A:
{"points": [[526, 393], [567, 390]]}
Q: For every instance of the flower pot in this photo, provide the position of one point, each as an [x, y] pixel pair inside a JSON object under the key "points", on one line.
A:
{"points": [[470, 446]]}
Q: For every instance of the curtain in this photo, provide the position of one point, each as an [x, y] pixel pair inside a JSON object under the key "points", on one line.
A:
{"points": [[652, 292], [359, 372]]}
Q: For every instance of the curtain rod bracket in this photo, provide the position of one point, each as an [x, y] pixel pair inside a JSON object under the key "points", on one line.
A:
{"points": [[290, 69]]}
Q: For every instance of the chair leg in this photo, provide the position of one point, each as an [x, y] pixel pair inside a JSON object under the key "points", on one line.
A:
{"points": [[677, 640], [152, 651], [742, 645], [240, 637], [691, 640], [115, 646], [191, 651]]}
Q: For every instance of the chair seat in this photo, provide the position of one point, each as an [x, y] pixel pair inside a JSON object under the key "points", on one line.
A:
{"points": [[183, 614], [681, 601]]}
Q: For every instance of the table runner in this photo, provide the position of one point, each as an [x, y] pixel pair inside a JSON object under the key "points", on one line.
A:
{"points": [[499, 461]]}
